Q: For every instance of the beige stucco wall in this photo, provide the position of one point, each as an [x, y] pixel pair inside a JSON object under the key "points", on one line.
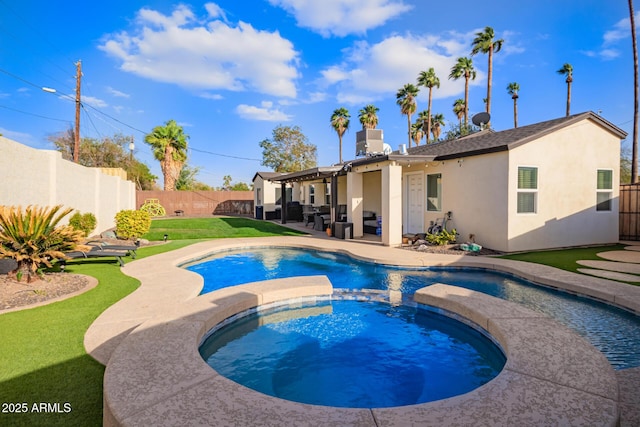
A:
{"points": [[474, 189], [567, 163], [265, 190], [42, 177]]}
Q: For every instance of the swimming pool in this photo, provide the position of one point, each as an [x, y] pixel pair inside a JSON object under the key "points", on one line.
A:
{"points": [[353, 354], [615, 332]]}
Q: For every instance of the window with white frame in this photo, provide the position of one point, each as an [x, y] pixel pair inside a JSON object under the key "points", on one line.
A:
{"points": [[527, 189], [604, 190], [327, 194], [434, 192], [259, 196], [312, 194]]}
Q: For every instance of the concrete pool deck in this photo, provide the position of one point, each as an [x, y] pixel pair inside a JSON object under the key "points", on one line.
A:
{"points": [[166, 308]]}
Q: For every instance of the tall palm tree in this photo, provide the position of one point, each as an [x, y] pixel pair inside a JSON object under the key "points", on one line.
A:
{"points": [[368, 116], [513, 89], [423, 117], [437, 121], [416, 132], [169, 145], [464, 68], [485, 43], [340, 123], [430, 80], [406, 99], [567, 70], [458, 110], [634, 144]]}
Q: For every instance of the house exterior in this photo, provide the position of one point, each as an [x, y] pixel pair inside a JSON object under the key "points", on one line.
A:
{"points": [[266, 193], [547, 185]]}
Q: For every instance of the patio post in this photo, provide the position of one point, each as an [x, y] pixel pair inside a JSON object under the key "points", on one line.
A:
{"points": [[283, 202]]}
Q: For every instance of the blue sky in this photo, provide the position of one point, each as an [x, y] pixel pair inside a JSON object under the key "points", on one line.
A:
{"points": [[230, 71]]}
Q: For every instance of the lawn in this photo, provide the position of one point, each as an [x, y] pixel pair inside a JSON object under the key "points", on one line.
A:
{"points": [[215, 228], [42, 357], [564, 259]]}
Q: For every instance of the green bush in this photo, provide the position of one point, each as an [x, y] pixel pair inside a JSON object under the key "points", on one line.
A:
{"points": [[84, 222], [443, 238], [33, 238], [132, 224]]}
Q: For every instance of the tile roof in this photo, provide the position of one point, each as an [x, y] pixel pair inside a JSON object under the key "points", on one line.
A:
{"points": [[489, 141]]}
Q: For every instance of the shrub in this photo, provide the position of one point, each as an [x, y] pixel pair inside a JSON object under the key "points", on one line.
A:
{"points": [[84, 222], [132, 224], [443, 238], [32, 238]]}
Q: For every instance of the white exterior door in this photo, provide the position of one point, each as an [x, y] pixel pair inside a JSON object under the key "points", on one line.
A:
{"points": [[414, 209]]}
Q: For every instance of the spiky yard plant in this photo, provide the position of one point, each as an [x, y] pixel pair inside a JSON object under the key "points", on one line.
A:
{"points": [[33, 238]]}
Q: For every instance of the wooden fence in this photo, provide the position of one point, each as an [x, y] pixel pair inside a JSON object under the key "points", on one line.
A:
{"points": [[630, 212], [200, 203]]}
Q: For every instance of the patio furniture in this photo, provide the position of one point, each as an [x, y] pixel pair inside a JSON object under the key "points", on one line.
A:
{"points": [[321, 221], [95, 252], [369, 222], [131, 249]]}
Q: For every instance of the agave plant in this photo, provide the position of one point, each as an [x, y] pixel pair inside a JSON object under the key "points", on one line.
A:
{"points": [[33, 238]]}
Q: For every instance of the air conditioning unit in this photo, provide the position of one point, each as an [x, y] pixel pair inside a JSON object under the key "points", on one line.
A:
{"points": [[369, 142]]}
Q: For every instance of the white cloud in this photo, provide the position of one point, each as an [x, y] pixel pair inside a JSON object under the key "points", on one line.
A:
{"points": [[117, 93], [213, 96], [620, 31], [213, 55], [92, 100], [342, 17], [370, 72], [264, 112]]}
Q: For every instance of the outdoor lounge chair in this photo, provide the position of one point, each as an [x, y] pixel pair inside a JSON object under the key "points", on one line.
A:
{"points": [[96, 252], [131, 249]]}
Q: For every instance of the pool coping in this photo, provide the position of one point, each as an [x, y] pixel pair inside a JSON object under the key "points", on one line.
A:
{"points": [[156, 310]]}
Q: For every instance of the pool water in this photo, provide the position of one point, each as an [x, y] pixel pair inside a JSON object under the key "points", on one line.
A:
{"points": [[615, 332], [354, 354]]}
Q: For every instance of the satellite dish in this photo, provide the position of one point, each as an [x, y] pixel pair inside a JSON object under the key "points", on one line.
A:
{"points": [[481, 119]]}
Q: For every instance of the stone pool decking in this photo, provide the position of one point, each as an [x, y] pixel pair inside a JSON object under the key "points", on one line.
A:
{"points": [[540, 381]]}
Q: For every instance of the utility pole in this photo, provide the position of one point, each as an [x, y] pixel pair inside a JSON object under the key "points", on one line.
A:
{"points": [[76, 133]]}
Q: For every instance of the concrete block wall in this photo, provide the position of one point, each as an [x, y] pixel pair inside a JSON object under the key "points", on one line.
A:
{"points": [[29, 176]]}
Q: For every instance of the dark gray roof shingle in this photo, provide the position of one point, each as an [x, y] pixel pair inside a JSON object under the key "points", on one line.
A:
{"points": [[489, 141]]}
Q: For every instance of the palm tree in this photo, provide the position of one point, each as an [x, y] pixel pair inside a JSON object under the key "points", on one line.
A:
{"points": [[416, 132], [423, 117], [458, 110], [406, 99], [34, 239], [513, 89], [340, 123], [567, 70], [485, 43], [464, 68], [634, 144], [169, 145], [368, 116], [430, 80], [437, 121]]}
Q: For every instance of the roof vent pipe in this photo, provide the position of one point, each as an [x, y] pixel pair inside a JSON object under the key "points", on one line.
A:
{"points": [[403, 149]]}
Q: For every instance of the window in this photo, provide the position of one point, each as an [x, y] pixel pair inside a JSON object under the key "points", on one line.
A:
{"points": [[434, 192], [259, 196], [327, 194], [527, 189], [604, 190], [312, 194]]}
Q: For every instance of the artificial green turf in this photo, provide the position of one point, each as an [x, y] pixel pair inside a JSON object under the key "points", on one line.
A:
{"points": [[215, 228], [564, 259], [42, 356]]}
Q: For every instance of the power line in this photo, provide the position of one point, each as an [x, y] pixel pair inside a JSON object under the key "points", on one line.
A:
{"points": [[224, 155], [35, 115]]}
